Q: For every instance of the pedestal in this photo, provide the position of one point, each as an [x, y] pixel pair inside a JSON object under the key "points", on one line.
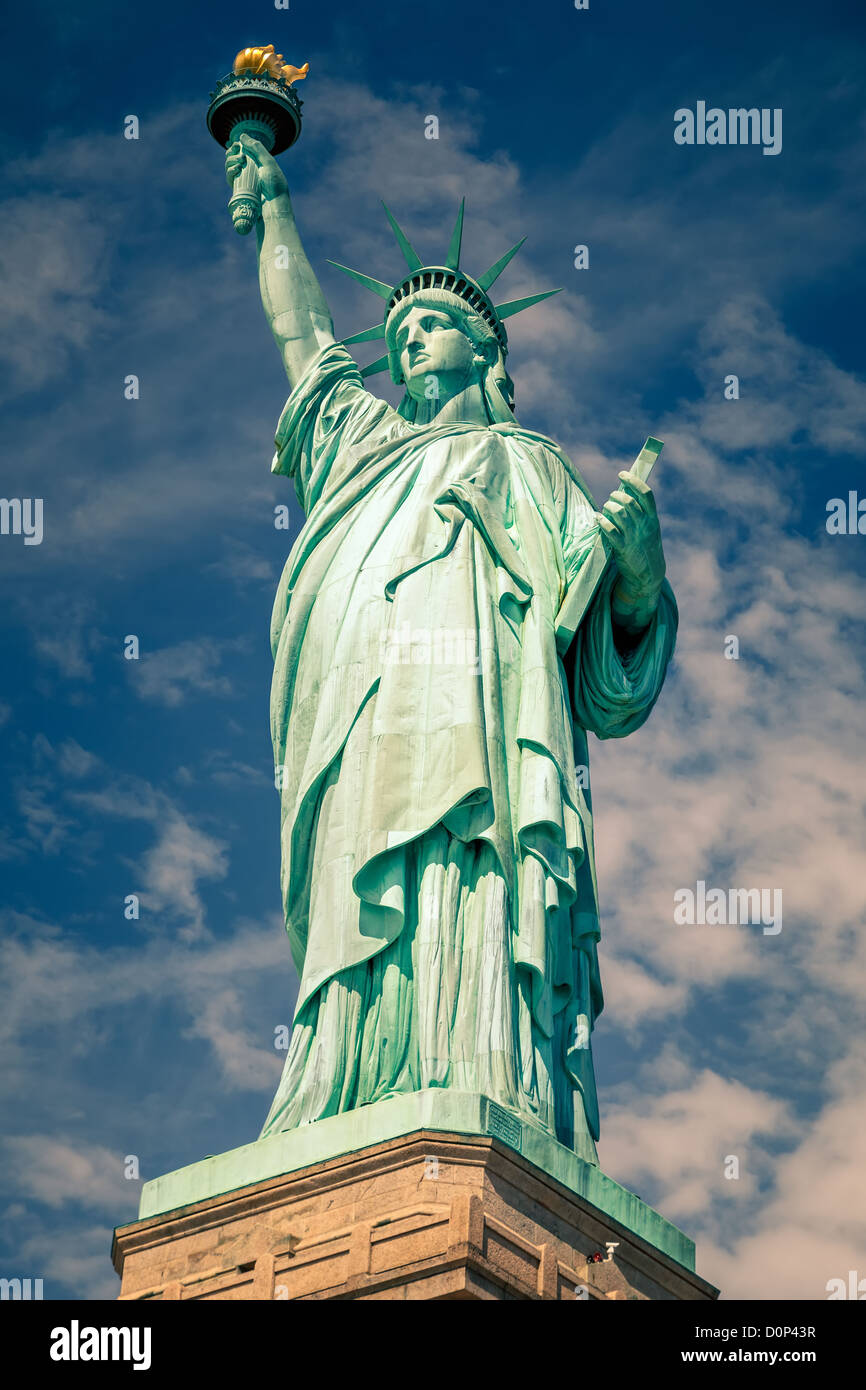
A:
{"points": [[468, 1202]]}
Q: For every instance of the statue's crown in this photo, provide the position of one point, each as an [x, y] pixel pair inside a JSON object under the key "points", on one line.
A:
{"points": [[448, 277]]}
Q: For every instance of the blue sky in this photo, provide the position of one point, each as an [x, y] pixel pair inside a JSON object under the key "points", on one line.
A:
{"points": [[154, 1038]]}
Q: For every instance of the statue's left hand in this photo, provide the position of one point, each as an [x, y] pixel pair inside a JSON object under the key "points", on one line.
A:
{"points": [[630, 523]]}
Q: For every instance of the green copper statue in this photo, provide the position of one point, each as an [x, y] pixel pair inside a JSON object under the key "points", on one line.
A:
{"points": [[443, 639]]}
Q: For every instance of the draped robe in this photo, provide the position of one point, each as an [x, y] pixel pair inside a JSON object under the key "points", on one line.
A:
{"points": [[429, 716]]}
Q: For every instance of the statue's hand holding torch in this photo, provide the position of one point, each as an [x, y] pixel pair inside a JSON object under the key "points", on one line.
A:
{"points": [[252, 172]]}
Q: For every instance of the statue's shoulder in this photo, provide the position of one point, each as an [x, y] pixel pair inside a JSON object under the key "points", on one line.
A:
{"points": [[330, 388], [550, 454], [330, 409]]}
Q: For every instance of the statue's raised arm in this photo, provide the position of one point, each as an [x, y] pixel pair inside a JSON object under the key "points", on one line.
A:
{"points": [[294, 305]]}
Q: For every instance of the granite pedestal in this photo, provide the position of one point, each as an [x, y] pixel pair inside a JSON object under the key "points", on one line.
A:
{"points": [[436, 1195]]}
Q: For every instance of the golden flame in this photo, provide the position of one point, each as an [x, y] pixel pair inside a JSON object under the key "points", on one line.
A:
{"points": [[265, 60]]}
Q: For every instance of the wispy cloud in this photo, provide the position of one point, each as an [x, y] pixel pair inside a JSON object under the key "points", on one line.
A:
{"points": [[170, 675]]}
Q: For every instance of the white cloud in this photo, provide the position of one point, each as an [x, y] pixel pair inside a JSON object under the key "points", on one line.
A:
{"points": [[234, 1037], [75, 1256], [170, 675], [244, 564], [679, 1140], [63, 634], [56, 1172], [168, 874], [51, 273], [50, 977], [172, 870], [792, 1219]]}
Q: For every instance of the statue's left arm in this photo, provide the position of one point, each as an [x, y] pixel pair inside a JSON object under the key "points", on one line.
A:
{"points": [[622, 649], [630, 523]]}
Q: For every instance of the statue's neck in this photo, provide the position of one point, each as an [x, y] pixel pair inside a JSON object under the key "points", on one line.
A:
{"points": [[466, 406]]}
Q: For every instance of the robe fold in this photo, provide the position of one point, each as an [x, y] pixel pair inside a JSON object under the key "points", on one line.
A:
{"points": [[429, 714]]}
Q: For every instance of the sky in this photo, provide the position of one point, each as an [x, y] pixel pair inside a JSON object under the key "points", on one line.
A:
{"points": [[152, 1039]]}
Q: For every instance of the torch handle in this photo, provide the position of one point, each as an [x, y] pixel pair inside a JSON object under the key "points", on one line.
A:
{"points": [[245, 204]]}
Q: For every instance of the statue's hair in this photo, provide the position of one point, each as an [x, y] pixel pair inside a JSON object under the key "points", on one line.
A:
{"points": [[496, 384]]}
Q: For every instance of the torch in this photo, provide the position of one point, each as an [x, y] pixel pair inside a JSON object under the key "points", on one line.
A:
{"points": [[256, 98]]}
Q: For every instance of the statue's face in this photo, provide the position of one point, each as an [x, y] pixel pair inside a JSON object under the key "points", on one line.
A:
{"points": [[436, 356]]}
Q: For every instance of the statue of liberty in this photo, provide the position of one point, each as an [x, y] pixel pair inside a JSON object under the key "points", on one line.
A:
{"points": [[442, 646]]}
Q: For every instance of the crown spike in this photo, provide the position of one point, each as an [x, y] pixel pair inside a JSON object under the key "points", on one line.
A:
{"points": [[487, 279], [452, 260], [373, 367], [516, 306], [413, 260], [369, 335], [377, 286]]}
